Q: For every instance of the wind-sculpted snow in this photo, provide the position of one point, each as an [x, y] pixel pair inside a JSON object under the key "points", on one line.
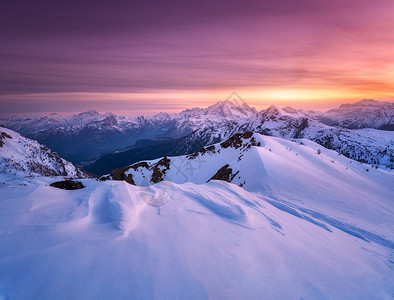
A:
{"points": [[212, 240], [304, 172], [220, 207], [318, 219]]}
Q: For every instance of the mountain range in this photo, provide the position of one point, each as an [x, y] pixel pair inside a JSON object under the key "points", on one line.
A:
{"points": [[365, 145], [103, 142]]}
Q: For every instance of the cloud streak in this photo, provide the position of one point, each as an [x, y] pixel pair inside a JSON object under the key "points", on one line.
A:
{"points": [[180, 46]]}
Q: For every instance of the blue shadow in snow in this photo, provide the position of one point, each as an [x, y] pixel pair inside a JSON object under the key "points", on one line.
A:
{"points": [[314, 215]]}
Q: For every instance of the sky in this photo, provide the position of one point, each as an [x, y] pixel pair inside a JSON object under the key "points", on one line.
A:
{"points": [[142, 57]]}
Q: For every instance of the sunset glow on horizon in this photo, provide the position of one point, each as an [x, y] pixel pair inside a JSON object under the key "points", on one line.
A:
{"points": [[142, 58]]}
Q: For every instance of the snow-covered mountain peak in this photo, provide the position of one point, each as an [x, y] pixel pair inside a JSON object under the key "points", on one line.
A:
{"points": [[89, 113], [162, 116], [274, 110], [85, 117], [108, 114], [289, 110], [228, 108], [20, 156]]}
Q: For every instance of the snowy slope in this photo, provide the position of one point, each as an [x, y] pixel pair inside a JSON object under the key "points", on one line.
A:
{"points": [[273, 166], [305, 225], [20, 156]]}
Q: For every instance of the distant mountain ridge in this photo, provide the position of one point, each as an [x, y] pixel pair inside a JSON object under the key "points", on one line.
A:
{"points": [[367, 113], [365, 145], [89, 135], [86, 135]]}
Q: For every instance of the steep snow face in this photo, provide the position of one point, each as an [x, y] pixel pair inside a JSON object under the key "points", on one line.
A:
{"points": [[302, 227], [24, 157]]}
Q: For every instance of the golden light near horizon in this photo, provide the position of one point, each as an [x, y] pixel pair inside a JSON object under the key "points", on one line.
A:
{"points": [[172, 101], [312, 98]]}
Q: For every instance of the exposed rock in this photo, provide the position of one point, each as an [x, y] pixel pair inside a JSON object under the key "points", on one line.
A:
{"points": [[224, 173], [159, 169], [236, 141], [142, 164], [304, 124], [3, 136], [202, 151], [104, 178], [68, 185], [119, 174]]}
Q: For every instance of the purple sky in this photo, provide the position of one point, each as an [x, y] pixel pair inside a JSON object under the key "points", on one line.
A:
{"points": [[146, 56]]}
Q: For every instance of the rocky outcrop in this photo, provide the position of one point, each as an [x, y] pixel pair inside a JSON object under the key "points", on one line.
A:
{"points": [[68, 185]]}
